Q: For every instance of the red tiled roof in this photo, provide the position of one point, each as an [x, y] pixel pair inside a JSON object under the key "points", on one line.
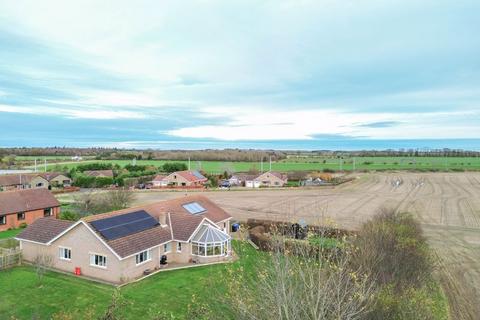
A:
{"points": [[44, 229], [192, 176], [26, 200], [182, 224], [17, 179], [159, 177]]}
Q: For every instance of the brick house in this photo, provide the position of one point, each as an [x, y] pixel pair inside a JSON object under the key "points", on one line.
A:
{"points": [[26, 206], [187, 178], [22, 181], [272, 179], [121, 246]]}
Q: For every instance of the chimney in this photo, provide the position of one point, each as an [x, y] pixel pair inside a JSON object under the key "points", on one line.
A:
{"points": [[162, 219]]}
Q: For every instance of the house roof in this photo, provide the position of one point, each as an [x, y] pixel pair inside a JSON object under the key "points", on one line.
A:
{"points": [[99, 173], [180, 224], [159, 177], [191, 176], [26, 200], [44, 229], [51, 175], [17, 179], [277, 174], [243, 177]]}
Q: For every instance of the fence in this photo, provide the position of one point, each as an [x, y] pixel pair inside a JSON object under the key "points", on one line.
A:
{"points": [[10, 257]]}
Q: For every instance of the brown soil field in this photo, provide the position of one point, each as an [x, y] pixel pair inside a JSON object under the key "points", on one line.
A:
{"points": [[447, 205]]}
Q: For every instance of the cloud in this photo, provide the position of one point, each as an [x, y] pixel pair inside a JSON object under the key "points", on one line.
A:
{"points": [[380, 124]]}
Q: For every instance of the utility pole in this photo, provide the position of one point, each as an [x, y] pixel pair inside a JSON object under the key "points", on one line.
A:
{"points": [[35, 164], [261, 165], [353, 163], [270, 158], [188, 163], [45, 163]]}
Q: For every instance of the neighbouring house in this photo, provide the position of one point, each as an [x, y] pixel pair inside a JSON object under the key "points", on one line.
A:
{"points": [[272, 179], [309, 182], [22, 181], [187, 178], [57, 179], [26, 206], [160, 181], [240, 179], [99, 173], [124, 245]]}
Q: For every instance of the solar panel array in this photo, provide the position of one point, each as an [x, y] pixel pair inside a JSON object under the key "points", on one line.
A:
{"points": [[124, 225], [194, 208], [198, 175]]}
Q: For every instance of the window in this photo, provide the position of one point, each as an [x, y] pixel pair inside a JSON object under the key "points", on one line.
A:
{"points": [[21, 216], [167, 247], [143, 257], [179, 247], [98, 260], [3, 220], [47, 212], [39, 185], [64, 253]]}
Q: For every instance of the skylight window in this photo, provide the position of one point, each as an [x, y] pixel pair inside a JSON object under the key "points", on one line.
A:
{"points": [[194, 208]]}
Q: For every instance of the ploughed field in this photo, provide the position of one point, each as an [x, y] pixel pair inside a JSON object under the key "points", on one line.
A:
{"points": [[447, 205]]}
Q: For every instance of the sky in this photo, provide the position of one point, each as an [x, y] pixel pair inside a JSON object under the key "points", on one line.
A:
{"points": [[168, 74]]}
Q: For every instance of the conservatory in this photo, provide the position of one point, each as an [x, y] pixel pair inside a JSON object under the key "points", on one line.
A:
{"points": [[209, 241]]}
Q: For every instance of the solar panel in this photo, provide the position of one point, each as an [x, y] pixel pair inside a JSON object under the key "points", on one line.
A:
{"points": [[124, 225], [198, 175], [194, 208]]}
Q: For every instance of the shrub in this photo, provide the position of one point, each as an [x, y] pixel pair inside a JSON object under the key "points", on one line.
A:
{"points": [[69, 215], [174, 166], [392, 247], [23, 225]]}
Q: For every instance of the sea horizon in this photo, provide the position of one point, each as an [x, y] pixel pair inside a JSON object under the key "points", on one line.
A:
{"points": [[286, 145]]}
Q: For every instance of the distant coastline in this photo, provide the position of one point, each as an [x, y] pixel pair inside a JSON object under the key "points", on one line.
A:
{"points": [[288, 145]]}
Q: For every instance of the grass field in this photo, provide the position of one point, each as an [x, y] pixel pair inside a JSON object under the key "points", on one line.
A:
{"points": [[9, 233], [83, 299], [311, 164]]}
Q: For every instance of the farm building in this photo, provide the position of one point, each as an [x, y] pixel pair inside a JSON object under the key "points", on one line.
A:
{"points": [[26, 206], [22, 181], [187, 178], [271, 179], [179, 232], [99, 173]]}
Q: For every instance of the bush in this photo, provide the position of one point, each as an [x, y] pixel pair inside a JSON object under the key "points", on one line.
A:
{"points": [[94, 166], [393, 249], [174, 166], [69, 215], [23, 225]]}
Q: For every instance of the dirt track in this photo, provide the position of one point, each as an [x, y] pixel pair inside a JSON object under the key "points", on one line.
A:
{"points": [[447, 204]]}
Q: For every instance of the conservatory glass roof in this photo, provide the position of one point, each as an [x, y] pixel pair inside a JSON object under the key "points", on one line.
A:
{"points": [[209, 234]]}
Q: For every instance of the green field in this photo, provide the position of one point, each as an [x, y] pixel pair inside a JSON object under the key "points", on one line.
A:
{"points": [[312, 164], [23, 297]]}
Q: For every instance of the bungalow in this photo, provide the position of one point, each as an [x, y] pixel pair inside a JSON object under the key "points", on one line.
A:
{"points": [[187, 178], [22, 181], [240, 179], [56, 179], [26, 206], [272, 179], [99, 173], [123, 245]]}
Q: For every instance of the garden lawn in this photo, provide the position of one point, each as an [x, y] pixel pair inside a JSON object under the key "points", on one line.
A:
{"points": [[23, 297], [9, 233]]}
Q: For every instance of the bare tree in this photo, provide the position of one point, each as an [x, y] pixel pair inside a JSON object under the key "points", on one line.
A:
{"points": [[42, 263], [296, 281], [99, 202]]}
